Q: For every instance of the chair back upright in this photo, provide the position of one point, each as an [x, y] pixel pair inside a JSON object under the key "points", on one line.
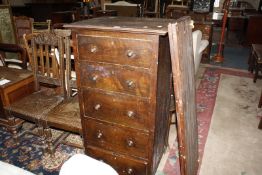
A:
{"points": [[70, 78], [46, 67]]}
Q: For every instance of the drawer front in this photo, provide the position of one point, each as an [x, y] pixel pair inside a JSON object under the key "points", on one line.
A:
{"points": [[123, 79], [125, 51], [116, 138], [122, 109], [122, 164]]}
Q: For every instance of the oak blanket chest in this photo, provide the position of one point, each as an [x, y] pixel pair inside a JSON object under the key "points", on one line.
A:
{"points": [[123, 76]]}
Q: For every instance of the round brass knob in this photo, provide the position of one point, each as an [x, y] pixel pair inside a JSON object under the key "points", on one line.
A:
{"points": [[130, 143], [93, 49], [130, 171], [99, 135], [97, 106], [130, 84], [130, 114], [130, 53], [94, 78]]}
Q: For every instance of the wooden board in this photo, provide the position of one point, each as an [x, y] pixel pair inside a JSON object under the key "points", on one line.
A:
{"points": [[180, 38]]}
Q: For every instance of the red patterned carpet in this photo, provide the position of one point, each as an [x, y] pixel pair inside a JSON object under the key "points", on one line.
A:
{"points": [[206, 98]]}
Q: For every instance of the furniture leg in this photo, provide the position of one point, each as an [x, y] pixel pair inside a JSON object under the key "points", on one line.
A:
{"points": [[260, 105], [251, 62], [256, 73], [49, 140], [260, 101], [260, 124]]}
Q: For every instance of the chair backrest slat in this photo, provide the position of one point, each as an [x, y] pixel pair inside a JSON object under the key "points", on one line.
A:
{"points": [[70, 81]]}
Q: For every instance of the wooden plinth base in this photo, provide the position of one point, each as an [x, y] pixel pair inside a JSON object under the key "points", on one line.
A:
{"points": [[218, 58]]}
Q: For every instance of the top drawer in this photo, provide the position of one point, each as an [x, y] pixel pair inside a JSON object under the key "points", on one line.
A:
{"points": [[125, 51]]}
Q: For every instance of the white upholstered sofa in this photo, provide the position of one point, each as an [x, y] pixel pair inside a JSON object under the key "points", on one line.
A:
{"points": [[199, 46], [8, 169]]}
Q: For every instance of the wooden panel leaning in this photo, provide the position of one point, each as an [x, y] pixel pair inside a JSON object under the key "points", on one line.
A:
{"points": [[180, 38], [48, 71]]}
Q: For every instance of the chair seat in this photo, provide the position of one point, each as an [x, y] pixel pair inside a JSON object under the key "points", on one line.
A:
{"points": [[66, 116], [35, 105]]}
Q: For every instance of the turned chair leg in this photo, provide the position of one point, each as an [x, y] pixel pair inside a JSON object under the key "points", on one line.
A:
{"points": [[260, 105], [49, 141], [260, 101]]}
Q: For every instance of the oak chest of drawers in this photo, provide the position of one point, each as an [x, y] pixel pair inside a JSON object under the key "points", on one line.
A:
{"points": [[123, 75]]}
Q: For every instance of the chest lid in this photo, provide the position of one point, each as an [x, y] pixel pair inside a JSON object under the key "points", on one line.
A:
{"points": [[125, 24]]}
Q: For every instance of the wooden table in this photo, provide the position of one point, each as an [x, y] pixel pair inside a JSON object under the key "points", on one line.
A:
{"points": [[21, 84]]}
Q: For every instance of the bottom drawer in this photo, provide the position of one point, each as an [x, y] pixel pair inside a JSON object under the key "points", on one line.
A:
{"points": [[122, 164]]}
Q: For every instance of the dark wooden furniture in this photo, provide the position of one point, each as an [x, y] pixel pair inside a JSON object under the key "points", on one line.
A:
{"points": [[253, 33], [43, 10], [23, 25], [21, 84], [185, 93], [260, 105], [123, 8], [175, 12], [207, 30], [255, 60], [20, 61], [123, 70], [100, 13]]}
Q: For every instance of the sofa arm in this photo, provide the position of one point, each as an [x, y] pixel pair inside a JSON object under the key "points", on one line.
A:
{"points": [[203, 45]]}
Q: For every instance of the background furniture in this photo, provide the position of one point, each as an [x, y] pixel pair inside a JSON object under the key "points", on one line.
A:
{"points": [[124, 103], [175, 12], [18, 62], [38, 27], [257, 59], [21, 84], [253, 34], [123, 8], [100, 13], [260, 105], [23, 25]]}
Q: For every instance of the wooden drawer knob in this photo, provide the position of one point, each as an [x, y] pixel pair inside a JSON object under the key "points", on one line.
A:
{"points": [[94, 77], [97, 107], [99, 135], [130, 84], [130, 54], [130, 143], [130, 171], [93, 49], [131, 114]]}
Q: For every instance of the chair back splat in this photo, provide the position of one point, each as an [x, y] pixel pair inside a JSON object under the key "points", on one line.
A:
{"points": [[47, 66]]}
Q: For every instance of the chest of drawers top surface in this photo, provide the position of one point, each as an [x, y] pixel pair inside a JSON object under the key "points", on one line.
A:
{"points": [[135, 25]]}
